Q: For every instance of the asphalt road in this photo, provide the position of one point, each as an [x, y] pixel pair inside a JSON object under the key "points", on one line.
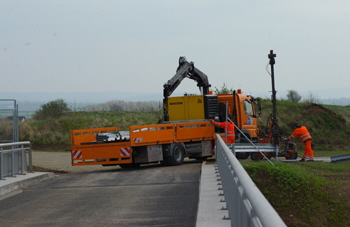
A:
{"points": [[151, 195]]}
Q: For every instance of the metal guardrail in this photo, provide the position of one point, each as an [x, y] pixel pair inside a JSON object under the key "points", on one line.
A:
{"points": [[13, 159], [247, 147], [246, 205], [340, 158]]}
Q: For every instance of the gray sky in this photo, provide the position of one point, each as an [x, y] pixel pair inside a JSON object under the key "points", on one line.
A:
{"points": [[134, 45]]}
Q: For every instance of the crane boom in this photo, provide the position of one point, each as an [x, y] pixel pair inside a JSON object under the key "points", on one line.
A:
{"points": [[184, 70]]}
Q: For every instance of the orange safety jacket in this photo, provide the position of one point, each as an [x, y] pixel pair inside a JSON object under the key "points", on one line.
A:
{"points": [[230, 130], [302, 133]]}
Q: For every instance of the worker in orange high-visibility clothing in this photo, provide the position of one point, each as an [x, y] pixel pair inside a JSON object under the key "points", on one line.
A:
{"points": [[305, 138], [226, 125]]}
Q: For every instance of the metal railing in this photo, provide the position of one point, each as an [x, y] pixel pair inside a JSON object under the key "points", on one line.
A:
{"points": [[13, 117], [14, 157], [246, 205]]}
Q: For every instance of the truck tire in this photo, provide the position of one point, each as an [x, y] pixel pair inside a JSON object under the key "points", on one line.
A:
{"points": [[177, 155], [243, 155], [293, 156]]}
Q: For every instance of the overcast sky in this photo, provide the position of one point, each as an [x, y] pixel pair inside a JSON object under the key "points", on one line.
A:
{"points": [[134, 45]]}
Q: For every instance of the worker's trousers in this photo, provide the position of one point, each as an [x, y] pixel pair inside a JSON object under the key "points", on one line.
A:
{"points": [[230, 138], [308, 152]]}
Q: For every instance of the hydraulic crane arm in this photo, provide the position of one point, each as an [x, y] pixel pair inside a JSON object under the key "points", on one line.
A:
{"points": [[185, 69]]}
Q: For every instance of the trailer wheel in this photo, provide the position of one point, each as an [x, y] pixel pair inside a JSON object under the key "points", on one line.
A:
{"points": [[242, 155], [294, 156], [256, 156], [177, 155]]}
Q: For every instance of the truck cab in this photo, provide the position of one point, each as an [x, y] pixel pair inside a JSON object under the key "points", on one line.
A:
{"points": [[243, 110]]}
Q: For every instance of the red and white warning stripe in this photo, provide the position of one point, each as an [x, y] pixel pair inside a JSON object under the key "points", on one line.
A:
{"points": [[138, 139], [125, 151], [77, 154]]}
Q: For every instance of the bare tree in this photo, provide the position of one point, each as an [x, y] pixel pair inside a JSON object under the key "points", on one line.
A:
{"points": [[311, 98], [223, 90]]}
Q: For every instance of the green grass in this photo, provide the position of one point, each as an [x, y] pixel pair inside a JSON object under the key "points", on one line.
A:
{"points": [[329, 153], [304, 194]]}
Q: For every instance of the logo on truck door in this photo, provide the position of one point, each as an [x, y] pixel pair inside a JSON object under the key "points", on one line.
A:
{"points": [[249, 121], [125, 151]]}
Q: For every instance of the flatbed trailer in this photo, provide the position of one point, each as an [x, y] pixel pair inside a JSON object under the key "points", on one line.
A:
{"points": [[168, 142]]}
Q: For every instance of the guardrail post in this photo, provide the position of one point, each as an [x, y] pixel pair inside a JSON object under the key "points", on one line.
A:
{"points": [[30, 159], [12, 162], [1, 165], [23, 166]]}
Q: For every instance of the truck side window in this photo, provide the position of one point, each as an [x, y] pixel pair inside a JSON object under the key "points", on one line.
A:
{"points": [[248, 108]]}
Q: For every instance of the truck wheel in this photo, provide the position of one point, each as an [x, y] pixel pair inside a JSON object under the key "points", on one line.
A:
{"points": [[243, 155], [177, 155]]}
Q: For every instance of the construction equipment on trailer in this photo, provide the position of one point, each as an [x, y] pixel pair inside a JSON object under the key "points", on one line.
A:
{"points": [[186, 130], [167, 142]]}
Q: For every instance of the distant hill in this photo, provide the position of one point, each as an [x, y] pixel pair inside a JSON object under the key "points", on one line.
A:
{"points": [[31, 101]]}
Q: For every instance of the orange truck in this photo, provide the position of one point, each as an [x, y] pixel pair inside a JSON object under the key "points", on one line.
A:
{"points": [[168, 143], [186, 130]]}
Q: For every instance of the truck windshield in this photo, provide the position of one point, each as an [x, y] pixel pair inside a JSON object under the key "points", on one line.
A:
{"points": [[248, 108]]}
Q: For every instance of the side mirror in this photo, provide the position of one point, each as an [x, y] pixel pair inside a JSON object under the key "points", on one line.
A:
{"points": [[259, 111]]}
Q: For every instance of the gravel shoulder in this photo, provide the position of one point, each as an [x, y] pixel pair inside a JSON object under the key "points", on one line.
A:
{"points": [[61, 161]]}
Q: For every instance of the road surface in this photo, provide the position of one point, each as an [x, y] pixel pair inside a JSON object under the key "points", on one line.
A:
{"points": [[152, 195]]}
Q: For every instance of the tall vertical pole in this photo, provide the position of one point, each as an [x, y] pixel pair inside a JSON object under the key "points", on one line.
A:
{"points": [[275, 130]]}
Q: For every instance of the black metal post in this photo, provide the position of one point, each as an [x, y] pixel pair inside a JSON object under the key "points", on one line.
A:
{"points": [[274, 107]]}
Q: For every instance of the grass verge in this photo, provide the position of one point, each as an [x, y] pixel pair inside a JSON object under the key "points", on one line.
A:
{"points": [[305, 194]]}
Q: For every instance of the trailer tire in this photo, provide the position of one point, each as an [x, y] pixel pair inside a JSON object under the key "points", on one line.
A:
{"points": [[295, 156], [177, 155], [256, 156], [242, 155]]}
